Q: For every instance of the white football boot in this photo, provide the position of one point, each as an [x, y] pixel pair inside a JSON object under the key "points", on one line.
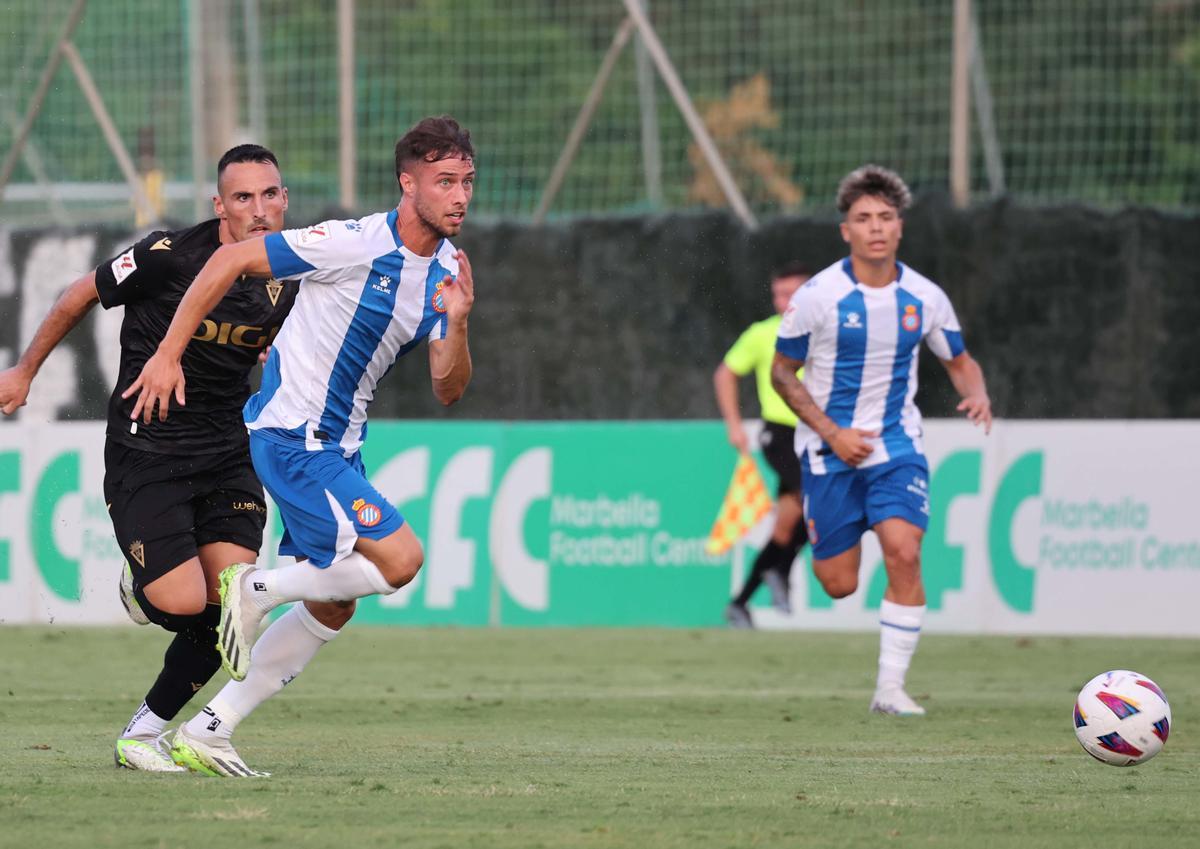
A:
{"points": [[895, 702], [128, 600], [146, 755], [211, 756], [240, 618]]}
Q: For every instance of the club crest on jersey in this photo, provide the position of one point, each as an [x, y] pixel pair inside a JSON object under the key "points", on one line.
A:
{"points": [[138, 552], [315, 233], [911, 320], [853, 321], [368, 515], [437, 301], [274, 288], [123, 266]]}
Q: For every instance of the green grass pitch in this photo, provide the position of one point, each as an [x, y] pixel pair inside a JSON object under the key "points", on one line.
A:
{"points": [[603, 738]]}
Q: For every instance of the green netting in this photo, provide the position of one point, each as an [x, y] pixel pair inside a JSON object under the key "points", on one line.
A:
{"points": [[1087, 100]]}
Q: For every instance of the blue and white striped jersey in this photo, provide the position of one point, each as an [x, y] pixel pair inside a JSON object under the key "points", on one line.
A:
{"points": [[859, 345], [365, 300]]}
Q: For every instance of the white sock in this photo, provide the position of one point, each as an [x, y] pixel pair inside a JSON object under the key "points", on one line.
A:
{"points": [[280, 654], [145, 725], [899, 630], [354, 576]]}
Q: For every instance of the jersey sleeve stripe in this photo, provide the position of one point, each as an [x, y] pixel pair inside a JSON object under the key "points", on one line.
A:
{"points": [[284, 261], [955, 341], [795, 347]]}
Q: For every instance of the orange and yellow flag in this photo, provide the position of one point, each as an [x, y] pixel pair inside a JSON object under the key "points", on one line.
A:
{"points": [[746, 502]]}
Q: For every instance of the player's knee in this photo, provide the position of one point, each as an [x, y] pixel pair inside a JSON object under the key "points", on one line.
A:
{"points": [[332, 614], [837, 583], [175, 603], [903, 560], [402, 562], [839, 586]]}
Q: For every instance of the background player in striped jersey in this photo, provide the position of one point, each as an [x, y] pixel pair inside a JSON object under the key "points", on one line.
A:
{"points": [[856, 328], [754, 351], [371, 290]]}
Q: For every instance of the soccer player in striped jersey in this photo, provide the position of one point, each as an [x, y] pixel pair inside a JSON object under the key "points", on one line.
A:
{"points": [[371, 290], [855, 328]]}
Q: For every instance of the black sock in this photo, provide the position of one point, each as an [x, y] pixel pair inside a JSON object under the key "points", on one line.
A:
{"points": [[799, 538], [190, 662], [771, 557]]}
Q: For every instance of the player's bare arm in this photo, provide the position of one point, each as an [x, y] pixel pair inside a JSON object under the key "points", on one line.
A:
{"points": [[725, 388], [162, 376], [68, 310], [967, 377], [848, 443], [450, 358]]}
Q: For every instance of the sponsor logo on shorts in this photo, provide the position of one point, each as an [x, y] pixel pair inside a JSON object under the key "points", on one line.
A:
{"points": [[437, 301], [123, 266], [138, 552], [368, 514], [316, 233], [920, 488], [910, 321]]}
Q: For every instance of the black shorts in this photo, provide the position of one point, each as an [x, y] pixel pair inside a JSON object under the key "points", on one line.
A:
{"points": [[164, 508], [778, 444]]}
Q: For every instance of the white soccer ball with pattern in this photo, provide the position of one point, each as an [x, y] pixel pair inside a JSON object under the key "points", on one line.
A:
{"points": [[1122, 718]]}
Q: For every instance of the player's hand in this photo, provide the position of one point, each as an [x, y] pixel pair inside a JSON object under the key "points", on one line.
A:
{"points": [[263, 354], [738, 439], [161, 377], [458, 293], [851, 445], [14, 388], [978, 409]]}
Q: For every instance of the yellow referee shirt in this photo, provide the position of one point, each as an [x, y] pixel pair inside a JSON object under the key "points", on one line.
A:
{"points": [[753, 351]]}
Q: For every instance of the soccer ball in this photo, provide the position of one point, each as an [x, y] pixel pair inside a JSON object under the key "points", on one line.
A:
{"points": [[1122, 718]]}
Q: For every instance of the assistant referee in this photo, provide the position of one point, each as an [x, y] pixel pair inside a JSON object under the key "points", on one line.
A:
{"points": [[753, 352]]}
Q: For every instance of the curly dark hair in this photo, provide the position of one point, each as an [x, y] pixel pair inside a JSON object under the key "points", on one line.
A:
{"points": [[431, 140], [876, 181]]}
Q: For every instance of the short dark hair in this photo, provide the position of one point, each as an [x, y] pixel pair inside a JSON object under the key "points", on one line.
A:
{"points": [[794, 268], [431, 140], [876, 181], [245, 153]]}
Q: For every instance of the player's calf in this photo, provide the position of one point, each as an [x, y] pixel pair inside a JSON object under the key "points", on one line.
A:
{"points": [[332, 614]]}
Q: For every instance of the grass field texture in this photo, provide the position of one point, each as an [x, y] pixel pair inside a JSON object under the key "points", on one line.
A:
{"points": [[603, 738]]}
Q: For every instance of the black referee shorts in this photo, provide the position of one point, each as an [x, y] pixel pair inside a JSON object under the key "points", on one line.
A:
{"points": [[778, 443], [164, 508]]}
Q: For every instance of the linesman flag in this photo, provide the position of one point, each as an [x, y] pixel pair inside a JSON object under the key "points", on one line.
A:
{"points": [[746, 502]]}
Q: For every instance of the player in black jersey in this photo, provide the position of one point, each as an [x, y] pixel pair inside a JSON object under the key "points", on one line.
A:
{"points": [[182, 493]]}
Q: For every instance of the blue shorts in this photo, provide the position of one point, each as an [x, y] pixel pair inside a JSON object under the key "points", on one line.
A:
{"points": [[842, 506], [325, 499]]}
